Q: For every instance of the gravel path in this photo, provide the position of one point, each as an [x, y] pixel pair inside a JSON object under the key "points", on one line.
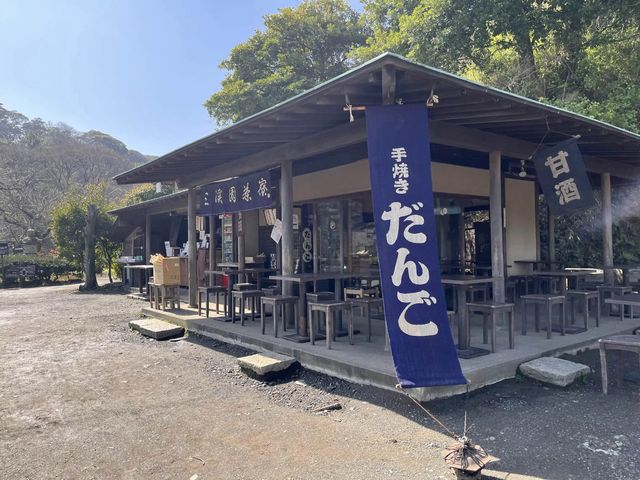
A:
{"points": [[82, 396]]}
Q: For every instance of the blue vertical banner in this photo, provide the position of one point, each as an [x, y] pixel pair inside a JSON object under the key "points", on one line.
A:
{"points": [[563, 178], [415, 310]]}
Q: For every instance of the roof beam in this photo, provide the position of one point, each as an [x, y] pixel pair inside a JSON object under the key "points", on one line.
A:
{"points": [[343, 135], [352, 133]]}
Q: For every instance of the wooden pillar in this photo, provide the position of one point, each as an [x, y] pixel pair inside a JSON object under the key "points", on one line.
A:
{"points": [[496, 206], [147, 238], [286, 210], [286, 207], [551, 229], [212, 248], [192, 239], [607, 225], [240, 230]]}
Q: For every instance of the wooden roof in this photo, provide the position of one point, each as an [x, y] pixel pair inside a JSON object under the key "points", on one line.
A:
{"points": [[468, 115]]}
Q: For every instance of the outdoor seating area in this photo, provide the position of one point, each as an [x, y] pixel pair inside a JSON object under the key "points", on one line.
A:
{"points": [[353, 315]]}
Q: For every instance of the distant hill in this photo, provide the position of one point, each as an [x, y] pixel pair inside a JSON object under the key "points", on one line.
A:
{"points": [[40, 161]]}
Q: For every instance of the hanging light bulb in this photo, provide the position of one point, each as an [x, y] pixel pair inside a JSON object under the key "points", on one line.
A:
{"points": [[523, 172]]}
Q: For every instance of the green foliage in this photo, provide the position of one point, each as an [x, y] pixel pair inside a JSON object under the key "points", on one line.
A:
{"points": [[144, 192], [573, 53], [48, 267], [69, 221], [299, 48]]}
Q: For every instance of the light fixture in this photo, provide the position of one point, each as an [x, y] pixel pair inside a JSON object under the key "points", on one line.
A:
{"points": [[523, 172]]}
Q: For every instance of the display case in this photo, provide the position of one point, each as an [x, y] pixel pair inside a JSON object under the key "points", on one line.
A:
{"points": [[227, 238]]}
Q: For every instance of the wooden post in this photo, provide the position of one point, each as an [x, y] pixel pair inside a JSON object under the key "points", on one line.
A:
{"points": [[212, 248], [90, 282], [495, 212], [286, 206], [147, 238], [240, 230], [388, 85], [607, 225], [286, 209], [551, 229], [192, 239]]}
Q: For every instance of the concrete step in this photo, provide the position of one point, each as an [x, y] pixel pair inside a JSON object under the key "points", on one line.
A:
{"points": [[154, 328], [269, 365], [555, 371]]}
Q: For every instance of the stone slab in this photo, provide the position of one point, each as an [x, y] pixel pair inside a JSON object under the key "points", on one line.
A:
{"points": [[554, 370], [262, 364], [154, 328]]}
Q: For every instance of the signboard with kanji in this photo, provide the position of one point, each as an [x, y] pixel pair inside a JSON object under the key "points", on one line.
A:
{"points": [[240, 194], [563, 178]]}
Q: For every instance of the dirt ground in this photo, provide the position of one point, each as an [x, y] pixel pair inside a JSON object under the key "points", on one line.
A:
{"points": [[82, 396]]}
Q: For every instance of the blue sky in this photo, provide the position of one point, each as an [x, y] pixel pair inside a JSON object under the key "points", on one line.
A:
{"points": [[139, 70]]}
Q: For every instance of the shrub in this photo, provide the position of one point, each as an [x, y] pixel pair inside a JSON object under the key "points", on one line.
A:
{"points": [[48, 267]]}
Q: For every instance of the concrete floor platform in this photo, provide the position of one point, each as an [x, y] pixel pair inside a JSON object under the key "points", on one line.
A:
{"points": [[368, 363]]}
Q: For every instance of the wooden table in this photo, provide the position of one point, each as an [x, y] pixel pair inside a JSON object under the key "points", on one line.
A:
{"points": [[461, 283], [302, 279], [145, 271], [537, 263], [564, 276]]}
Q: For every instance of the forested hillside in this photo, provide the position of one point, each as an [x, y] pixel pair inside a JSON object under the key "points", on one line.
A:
{"points": [[40, 162]]}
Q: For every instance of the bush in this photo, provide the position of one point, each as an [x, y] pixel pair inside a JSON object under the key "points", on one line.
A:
{"points": [[48, 267]]}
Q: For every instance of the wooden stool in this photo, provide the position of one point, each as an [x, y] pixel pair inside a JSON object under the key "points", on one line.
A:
{"points": [[365, 304], [217, 289], [329, 308], [153, 292], [168, 295], [278, 304], [492, 310], [244, 286], [320, 296], [623, 343], [243, 295], [271, 291], [549, 301], [586, 296]]}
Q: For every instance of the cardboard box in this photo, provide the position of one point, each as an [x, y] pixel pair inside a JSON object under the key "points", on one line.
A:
{"points": [[166, 270]]}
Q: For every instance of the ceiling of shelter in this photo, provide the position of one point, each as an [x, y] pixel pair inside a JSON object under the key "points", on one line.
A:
{"points": [[460, 103]]}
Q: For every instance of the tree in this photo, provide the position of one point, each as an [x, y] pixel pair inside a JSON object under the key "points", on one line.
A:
{"points": [[299, 48], [563, 51], [69, 223]]}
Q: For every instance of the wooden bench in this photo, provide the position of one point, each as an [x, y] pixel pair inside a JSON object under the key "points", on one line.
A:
{"points": [[629, 300], [162, 295], [622, 343]]}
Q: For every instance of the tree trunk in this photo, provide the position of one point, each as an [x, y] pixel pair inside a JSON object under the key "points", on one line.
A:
{"points": [[90, 282], [527, 63]]}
